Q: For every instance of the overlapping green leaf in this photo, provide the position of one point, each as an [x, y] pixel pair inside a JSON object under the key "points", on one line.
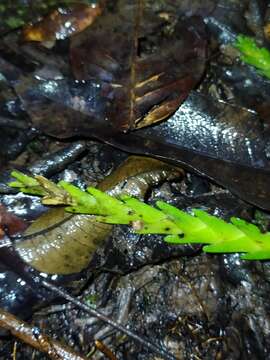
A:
{"points": [[253, 54]]}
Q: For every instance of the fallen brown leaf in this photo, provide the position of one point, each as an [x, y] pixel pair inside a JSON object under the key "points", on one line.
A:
{"points": [[10, 223], [62, 23], [151, 66]]}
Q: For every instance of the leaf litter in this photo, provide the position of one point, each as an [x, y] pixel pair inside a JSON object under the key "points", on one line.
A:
{"points": [[212, 286]]}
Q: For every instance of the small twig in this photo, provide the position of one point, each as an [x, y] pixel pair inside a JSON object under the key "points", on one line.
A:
{"points": [[105, 350], [147, 344], [33, 337], [14, 352]]}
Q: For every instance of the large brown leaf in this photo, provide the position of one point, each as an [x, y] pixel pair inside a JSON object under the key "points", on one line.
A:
{"points": [[201, 135], [150, 64]]}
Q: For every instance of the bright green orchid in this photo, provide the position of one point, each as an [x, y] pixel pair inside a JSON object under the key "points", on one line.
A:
{"points": [[251, 54], [179, 227]]}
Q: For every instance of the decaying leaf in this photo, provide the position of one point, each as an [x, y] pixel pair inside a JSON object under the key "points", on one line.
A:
{"points": [[62, 23], [235, 177], [202, 135], [135, 175], [217, 129], [9, 223], [62, 243], [16, 13], [207, 136], [150, 66], [61, 107]]}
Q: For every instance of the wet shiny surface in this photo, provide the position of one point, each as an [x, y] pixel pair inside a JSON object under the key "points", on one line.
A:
{"points": [[82, 96], [53, 163], [215, 129], [13, 292], [203, 124], [51, 243]]}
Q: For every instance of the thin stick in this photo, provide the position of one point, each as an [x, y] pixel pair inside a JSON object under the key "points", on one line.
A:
{"points": [[147, 344], [105, 350], [33, 337], [14, 352]]}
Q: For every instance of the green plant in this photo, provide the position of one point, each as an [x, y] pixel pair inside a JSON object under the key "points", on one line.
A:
{"points": [[178, 226], [251, 54]]}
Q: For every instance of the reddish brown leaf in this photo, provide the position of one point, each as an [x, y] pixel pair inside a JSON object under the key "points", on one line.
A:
{"points": [[62, 23], [10, 223], [151, 65]]}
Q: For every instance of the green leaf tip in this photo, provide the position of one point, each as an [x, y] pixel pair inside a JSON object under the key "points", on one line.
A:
{"points": [[179, 227], [254, 55], [26, 184], [81, 202]]}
